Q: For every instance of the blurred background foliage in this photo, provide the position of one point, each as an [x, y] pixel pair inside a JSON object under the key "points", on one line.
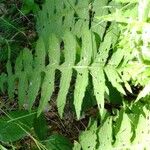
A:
{"points": [[17, 28]]}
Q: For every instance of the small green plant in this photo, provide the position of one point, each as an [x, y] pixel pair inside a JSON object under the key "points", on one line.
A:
{"points": [[102, 44]]}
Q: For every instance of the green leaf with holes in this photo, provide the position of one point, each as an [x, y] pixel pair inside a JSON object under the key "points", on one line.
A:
{"points": [[105, 135], [88, 140]]}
